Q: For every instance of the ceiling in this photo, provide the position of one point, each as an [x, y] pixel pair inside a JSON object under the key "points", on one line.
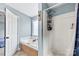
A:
{"points": [[30, 9]]}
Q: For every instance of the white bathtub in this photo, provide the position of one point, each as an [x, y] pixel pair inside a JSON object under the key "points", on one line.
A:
{"points": [[29, 42]]}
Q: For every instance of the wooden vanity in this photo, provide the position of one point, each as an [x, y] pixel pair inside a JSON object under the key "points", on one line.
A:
{"points": [[28, 50]]}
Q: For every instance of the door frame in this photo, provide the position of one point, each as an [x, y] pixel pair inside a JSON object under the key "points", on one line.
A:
{"points": [[76, 11], [40, 33], [5, 30]]}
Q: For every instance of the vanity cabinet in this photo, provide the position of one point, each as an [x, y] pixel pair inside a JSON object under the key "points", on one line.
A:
{"points": [[28, 50]]}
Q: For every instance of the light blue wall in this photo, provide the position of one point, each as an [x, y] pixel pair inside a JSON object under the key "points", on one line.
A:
{"points": [[1, 26], [24, 26], [34, 18], [2, 6], [44, 6], [67, 7], [62, 9]]}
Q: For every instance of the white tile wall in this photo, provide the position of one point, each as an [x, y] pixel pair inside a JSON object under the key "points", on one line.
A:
{"points": [[60, 40]]}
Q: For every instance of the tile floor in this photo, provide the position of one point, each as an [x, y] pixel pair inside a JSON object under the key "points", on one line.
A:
{"points": [[1, 51]]}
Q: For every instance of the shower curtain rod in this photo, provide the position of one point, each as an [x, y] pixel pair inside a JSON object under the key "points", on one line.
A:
{"points": [[54, 6]]}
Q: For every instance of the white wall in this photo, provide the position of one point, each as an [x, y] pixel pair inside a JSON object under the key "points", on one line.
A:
{"points": [[1, 29], [59, 41], [45, 34], [2, 20], [40, 35], [64, 37]]}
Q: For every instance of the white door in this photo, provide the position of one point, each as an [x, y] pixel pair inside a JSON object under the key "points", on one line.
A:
{"points": [[11, 33]]}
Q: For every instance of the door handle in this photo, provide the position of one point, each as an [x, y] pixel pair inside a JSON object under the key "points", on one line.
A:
{"points": [[6, 37]]}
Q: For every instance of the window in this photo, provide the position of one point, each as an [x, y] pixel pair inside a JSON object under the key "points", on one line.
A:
{"points": [[35, 28]]}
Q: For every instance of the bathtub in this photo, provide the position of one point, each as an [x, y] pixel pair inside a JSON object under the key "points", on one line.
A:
{"points": [[31, 42]]}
